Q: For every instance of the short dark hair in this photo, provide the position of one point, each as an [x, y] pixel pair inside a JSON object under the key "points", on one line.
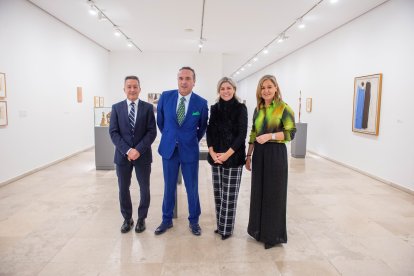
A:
{"points": [[132, 78], [188, 68]]}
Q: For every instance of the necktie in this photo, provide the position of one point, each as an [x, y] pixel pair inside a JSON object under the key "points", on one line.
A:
{"points": [[131, 116], [181, 111]]}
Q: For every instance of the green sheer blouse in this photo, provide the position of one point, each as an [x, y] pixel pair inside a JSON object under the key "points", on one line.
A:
{"points": [[278, 116]]}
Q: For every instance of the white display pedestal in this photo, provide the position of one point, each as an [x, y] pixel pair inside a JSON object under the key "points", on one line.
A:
{"points": [[104, 149], [298, 145]]}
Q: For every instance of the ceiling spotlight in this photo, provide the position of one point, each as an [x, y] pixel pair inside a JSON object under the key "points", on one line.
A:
{"points": [[92, 8], [238, 72], [249, 64], [282, 37], [117, 32], [101, 16], [265, 51], [200, 44], [242, 69], [255, 59], [301, 25], [129, 42]]}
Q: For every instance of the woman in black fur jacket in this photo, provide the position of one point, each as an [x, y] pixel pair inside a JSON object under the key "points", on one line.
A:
{"points": [[226, 136]]}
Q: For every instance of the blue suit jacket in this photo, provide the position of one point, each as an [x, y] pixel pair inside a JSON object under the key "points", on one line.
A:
{"points": [[144, 135], [187, 136]]}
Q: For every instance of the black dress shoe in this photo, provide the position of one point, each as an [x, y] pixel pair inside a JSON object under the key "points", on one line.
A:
{"points": [[225, 237], [195, 229], [140, 227], [127, 225], [163, 228]]}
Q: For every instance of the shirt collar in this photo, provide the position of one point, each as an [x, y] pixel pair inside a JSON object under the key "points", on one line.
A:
{"points": [[129, 102], [187, 98]]}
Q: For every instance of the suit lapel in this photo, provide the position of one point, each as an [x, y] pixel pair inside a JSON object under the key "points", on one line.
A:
{"points": [[125, 114], [139, 114], [174, 100]]}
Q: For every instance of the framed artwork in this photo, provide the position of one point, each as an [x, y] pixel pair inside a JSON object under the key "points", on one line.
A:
{"points": [[101, 101], [153, 99], [79, 94], [367, 104], [96, 101], [3, 85], [308, 104], [3, 113]]}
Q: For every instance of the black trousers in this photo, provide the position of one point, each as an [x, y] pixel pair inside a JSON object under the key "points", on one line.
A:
{"points": [[267, 218], [124, 173]]}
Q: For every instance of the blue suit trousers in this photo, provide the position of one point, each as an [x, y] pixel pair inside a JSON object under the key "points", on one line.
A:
{"points": [[190, 175]]}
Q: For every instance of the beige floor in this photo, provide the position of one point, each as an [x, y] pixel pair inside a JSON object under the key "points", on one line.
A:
{"points": [[65, 220]]}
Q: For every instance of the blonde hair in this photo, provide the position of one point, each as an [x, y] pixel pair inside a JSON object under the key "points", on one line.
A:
{"points": [[259, 99], [231, 82]]}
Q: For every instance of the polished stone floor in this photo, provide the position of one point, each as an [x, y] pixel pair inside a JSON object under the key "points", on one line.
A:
{"points": [[65, 220]]}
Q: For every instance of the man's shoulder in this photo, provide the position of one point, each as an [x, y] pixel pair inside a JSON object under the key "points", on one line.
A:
{"points": [[144, 103], [199, 98], [169, 92], [119, 103]]}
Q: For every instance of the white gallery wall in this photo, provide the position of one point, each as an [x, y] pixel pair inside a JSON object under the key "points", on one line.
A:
{"points": [[44, 61], [381, 41], [158, 72]]}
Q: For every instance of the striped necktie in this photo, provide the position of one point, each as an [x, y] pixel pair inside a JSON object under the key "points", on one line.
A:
{"points": [[131, 116], [181, 111]]}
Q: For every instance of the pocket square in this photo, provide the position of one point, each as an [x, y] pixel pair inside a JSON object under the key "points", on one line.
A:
{"points": [[197, 113]]}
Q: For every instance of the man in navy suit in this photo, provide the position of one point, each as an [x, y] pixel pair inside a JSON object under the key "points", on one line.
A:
{"points": [[182, 120], [132, 129]]}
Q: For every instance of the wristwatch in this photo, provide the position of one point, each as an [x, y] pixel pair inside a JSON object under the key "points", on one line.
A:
{"points": [[273, 136]]}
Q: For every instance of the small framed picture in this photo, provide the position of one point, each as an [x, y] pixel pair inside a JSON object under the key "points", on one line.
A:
{"points": [[3, 85], [3, 113], [308, 104], [96, 101], [101, 101], [79, 94]]}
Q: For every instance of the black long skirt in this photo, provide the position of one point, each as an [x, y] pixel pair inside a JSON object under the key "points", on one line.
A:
{"points": [[267, 218]]}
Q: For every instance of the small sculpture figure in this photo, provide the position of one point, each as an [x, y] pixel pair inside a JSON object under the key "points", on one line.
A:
{"points": [[108, 118], [103, 120]]}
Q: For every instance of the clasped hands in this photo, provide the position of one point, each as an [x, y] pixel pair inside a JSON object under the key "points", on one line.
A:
{"points": [[218, 157], [133, 154]]}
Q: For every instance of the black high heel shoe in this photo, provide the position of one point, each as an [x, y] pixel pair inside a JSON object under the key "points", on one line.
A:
{"points": [[225, 237]]}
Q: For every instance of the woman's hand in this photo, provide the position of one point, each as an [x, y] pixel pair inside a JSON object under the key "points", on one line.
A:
{"points": [[222, 157], [248, 163], [215, 156], [263, 138]]}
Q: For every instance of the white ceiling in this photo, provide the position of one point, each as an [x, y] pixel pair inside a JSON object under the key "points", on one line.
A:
{"points": [[238, 29]]}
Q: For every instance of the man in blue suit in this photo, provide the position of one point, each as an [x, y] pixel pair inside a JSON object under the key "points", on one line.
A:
{"points": [[182, 120], [132, 129]]}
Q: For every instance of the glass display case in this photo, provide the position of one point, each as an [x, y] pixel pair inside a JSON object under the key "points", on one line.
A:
{"points": [[102, 116]]}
